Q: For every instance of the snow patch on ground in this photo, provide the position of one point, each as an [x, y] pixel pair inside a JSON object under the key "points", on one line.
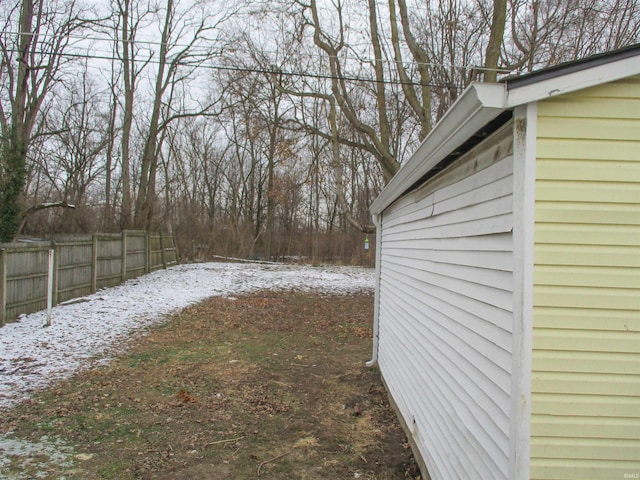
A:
{"points": [[38, 455], [87, 332]]}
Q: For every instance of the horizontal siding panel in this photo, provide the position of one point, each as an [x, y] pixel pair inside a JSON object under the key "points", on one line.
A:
{"points": [[426, 219], [445, 390], [587, 362], [587, 297], [586, 384], [596, 107], [488, 336], [584, 448], [596, 213], [589, 128], [446, 298], [476, 168], [479, 317], [477, 227], [563, 149], [478, 292], [626, 88], [437, 351], [431, 425], [488, 260], [488, 184], [433, 404], [433, 343], [421, 240], [446, 266], [586, 341], [494, 262], [588, 192], [586, 427], [586, 336], [586, 234], [587, 255], [585, 405], [598, 277], [435, 456], [563, 469], [499, 189], [476, 188], [590, 168], [585, 319]]}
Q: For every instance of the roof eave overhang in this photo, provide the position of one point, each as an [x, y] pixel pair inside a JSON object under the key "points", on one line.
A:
{"points": [[535, 87], [479, 104]]}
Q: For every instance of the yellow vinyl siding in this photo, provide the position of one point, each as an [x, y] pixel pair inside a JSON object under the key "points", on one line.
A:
{"points": [[585, 412]]}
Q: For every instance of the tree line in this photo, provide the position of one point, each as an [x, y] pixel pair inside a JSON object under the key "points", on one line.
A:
{"points": [[259, 129]]}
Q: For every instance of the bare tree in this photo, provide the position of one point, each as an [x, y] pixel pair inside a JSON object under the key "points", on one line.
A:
{"points": [[75, 153], [174, 63], [128, 21], [544, 33], [494, 43], [33, 43]]}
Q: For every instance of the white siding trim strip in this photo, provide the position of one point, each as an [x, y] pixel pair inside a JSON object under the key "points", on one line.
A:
{"points": [[525, 120]]}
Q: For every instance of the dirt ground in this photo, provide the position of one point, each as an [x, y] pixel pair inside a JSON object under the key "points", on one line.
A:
{"points": [[271, 386]]}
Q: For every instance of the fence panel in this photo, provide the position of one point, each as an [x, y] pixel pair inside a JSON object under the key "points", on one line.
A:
{"points": [[155, 251], [74, 268], [82, 265], [26, 273], [136, 248], [170, 250], [108, 260]]}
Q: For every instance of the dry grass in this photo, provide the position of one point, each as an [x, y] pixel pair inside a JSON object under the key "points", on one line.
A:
{"points": [[271, 385]]}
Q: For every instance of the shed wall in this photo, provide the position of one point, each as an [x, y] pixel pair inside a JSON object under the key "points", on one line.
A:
{"points": [[445, 312], [586, 338]]}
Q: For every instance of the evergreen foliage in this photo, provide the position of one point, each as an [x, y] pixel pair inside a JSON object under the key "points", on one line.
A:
{"points": [[13, 176]]}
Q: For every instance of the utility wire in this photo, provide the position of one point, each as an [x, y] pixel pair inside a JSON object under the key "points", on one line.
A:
{"points": [[265, 71], [202, 47]]}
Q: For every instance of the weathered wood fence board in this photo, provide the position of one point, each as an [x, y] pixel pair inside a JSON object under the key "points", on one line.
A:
{"points": [[82, 265], [74, 268]]}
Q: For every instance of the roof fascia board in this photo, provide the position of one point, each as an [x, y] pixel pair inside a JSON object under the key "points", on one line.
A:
{"points": [[477, 105], [570, 82]]}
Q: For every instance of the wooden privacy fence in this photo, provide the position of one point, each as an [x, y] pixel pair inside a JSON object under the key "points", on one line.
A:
{"points": [[81, 266]]}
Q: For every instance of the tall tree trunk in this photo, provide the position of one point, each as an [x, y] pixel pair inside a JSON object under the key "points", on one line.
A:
{"points": [[14, 149], [378, 62], [146, 193], [107, 221], [495, 40], [271, 194], [127, 122]]}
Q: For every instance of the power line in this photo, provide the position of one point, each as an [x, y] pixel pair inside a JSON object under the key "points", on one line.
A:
{"points": [[264, 71], [202, 47]]}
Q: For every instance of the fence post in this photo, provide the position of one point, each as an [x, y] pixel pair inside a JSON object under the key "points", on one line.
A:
{"points": [[56, 252], [124, 256], [162, 255], [3, 286], [94, 264], [51, 287], [175, 248], [147, 257]]}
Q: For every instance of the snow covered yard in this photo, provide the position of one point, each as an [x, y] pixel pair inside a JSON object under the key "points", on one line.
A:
{"points": [[90, 330]]}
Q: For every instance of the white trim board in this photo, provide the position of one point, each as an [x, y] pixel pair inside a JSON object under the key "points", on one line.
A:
{"points": [[570, 82]]}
